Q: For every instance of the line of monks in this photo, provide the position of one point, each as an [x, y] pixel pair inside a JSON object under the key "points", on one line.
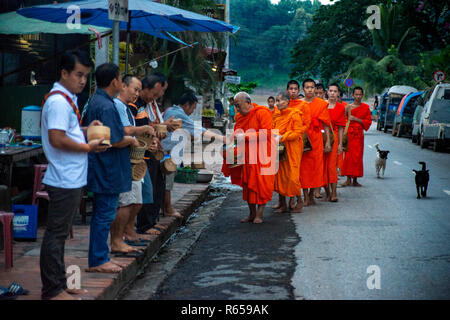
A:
{"points": [[314, 133]]}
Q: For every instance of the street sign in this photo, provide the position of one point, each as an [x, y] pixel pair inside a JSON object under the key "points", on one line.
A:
{"points": [[233, 79], [349, 82], [439, 76], [118, 10]]}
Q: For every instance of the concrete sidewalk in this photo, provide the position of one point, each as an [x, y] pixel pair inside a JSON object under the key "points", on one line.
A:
{"points": [[26, 272]]}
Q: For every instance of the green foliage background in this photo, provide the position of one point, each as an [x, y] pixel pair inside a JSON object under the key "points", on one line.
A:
{"points": [[267, 34]]}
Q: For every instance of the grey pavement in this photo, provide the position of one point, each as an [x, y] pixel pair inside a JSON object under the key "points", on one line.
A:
{"points": [[380, 224]]}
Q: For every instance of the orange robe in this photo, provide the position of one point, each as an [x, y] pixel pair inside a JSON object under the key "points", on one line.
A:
{"points": [[303, 106], [257, 188], [330, 159], [290, 125], [353, 159], [311, 168], [341, 156]]}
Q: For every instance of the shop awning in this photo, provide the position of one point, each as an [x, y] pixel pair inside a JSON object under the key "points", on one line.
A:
{"points": [[14, 23]]}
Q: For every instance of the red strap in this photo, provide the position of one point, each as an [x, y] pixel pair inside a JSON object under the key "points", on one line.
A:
{"points": [[74, 107]]}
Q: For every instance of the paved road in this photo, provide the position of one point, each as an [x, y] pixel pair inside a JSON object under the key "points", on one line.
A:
{"points": [[381, 224], [325, 252]]}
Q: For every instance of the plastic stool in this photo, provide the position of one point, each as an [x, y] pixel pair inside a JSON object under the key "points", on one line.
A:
{"points": [[7, 219]]}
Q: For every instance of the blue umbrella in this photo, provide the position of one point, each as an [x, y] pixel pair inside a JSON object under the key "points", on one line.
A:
{"points": [[145, 16]]}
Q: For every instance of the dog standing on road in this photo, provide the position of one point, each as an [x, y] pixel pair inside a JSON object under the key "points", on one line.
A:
{"points": [[422, 178], [380, 163]]}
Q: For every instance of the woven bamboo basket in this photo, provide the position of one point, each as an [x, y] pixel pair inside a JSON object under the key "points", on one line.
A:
{"points": [[138, 170], [137, 153], [147, 138], [282, 152], [168, 166], [158, 155]]}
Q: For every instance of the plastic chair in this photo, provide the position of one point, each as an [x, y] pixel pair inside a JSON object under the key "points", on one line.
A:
{"points": [[6, 218], [38, 187]]}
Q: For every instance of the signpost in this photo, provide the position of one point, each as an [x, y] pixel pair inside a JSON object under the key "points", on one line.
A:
{"points": [[117, 11], [233, 79], [348, 83], [439, 76]]}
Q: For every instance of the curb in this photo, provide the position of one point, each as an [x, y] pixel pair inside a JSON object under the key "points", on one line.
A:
{"points": [[186, 206]]}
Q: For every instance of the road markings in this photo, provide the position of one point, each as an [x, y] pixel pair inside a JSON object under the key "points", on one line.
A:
{"points": [[398, 163], [447, 192]]}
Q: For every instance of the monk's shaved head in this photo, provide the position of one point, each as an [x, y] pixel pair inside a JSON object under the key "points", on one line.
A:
{"points": [[243, 102], [242, 95]]}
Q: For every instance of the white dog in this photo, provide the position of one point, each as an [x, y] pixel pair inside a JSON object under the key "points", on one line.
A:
{"points": [[380, 163]]}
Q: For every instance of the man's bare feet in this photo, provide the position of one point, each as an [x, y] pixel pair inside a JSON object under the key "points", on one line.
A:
{"points": [[317, 194], [282, 209], [292, 203], [334, 199], [277, 206], [107, 267], [257, 220], [356, 184], [153, 232], [248, 219], [175, 214], [118, 263], [346, 183], [123, 247], [298, 208], [76, 291], [63, 295], [160, 226]]}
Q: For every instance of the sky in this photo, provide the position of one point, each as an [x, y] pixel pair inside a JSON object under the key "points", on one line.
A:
{"points": [[321, 1]]}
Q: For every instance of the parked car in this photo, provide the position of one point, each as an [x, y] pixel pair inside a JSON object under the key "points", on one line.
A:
{"points": [[404, 115], [415, 134], [435, 119], [395, 93], [382, 110]]}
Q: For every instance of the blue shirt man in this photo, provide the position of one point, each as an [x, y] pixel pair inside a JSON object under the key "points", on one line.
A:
{"points": [[109, 173]]}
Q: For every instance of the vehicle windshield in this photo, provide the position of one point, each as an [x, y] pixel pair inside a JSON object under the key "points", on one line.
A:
{"points": [[410, 106], [440, 107]]}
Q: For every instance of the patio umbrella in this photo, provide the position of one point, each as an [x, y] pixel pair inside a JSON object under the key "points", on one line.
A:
{"points": [[144, 15]]}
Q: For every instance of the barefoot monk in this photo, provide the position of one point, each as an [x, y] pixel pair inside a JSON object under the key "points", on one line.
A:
{"points": [[256, 175], [311, 168], [290, 125], [360, 119]]}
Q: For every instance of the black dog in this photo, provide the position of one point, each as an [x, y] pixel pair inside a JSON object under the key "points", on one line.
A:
{"points": [[422, 178]]}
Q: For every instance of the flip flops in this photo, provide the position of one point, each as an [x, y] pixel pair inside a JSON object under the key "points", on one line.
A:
{"points": [[132, 254], [140, 243], [13, 291]]}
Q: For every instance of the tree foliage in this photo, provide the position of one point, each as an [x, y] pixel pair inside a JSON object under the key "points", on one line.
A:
{"points": [[267, 34], [339, 44]]}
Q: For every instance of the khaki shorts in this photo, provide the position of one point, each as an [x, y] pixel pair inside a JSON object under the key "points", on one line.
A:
{"points": [[131, 197], [170, 178]]}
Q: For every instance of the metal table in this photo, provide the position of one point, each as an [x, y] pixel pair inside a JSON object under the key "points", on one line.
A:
{"points": [[12, 155]]}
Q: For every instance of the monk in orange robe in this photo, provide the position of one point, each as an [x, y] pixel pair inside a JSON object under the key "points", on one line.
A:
{"points": [[271, 104], [311, 168], [360, 120], [257, 174], [330, 159], [290, 125], [341, 155]]}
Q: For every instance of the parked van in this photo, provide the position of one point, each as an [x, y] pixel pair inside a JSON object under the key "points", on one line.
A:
{"points": [[415, 134], [435, 120], [404, 115], [382, 110], [395, 93]]}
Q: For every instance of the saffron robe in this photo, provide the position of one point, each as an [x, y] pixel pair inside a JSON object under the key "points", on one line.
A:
{"points": [[303, 106], [341, 156], [290, 125], [311, 167], [257, 187], [353, 159], [330, 159]]}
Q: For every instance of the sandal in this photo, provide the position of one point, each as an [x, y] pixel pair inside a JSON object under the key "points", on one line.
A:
{"points": [[115, 269]]}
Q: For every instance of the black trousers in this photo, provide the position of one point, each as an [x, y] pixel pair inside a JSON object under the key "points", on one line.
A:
{"points": [[148, 216], [62, 208]]}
